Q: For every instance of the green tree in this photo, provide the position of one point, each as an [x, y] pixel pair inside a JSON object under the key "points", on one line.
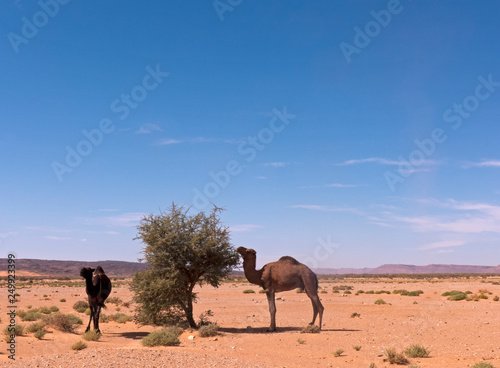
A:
{"points": [[182, 250]]}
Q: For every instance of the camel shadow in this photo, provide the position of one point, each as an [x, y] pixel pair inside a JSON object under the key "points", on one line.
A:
{"points": [[263, 330], [132, 335], [257, 330]]}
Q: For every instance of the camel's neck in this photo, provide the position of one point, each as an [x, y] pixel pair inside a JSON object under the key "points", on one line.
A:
{"points": [[89, 284], [254, 276]]}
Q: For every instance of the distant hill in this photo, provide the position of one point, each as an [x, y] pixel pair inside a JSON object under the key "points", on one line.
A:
{"points": [[43, 267], [411, 269]]}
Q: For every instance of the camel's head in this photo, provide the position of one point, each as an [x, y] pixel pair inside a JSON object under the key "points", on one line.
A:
{"points": [[86, 272], [246, 253]]}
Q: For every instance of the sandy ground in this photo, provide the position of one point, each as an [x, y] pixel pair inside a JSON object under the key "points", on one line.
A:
{"points": [[458, 333]]}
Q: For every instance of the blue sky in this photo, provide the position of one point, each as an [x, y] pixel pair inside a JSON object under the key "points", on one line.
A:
{"points": [[345, 134]]}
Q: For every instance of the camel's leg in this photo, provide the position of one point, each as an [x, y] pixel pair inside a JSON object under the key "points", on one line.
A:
{"points": [[315, 312], [91, 317], [318, 308], [312, 293], [272, 309], [96, 319]]}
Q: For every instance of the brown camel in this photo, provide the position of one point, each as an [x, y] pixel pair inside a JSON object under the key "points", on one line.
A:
{"points": [[285, 274], [98, 288]]}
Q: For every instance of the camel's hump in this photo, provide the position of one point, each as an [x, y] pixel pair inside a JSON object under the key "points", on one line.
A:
{"points": [[289, 259]]}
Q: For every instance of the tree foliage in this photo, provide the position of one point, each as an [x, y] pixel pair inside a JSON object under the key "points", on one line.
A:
{"points": [[182, 250]]}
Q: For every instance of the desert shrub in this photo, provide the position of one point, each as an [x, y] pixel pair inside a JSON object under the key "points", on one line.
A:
{"points": [[311, 329], [18, 330], [79, 345], [417, 351], [483, 365], [164, 337], [359, 292], [63, 322], [121, 318], [36, 326], [80, 306], [415, 293], [338, 352], [40, 334], [21, 313], [104, 318], [380, 301], [300, 341], [62, 300], [126, 304], [91, 335], [262, 291], [114, 300], [248, 291], [354, 315], [87, 312], [54, 309], [44, 310], [457, 296], [370, 292], [393, 357], [495, 299], [32, 315], [211, 329], [357, 347]]}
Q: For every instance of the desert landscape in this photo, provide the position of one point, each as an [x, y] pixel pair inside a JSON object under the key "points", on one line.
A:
{"points": [[364, 316]]}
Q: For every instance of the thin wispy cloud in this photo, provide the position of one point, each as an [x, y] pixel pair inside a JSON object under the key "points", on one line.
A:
{"points": [[377, 160], [130, 219], [383, 161], [277, 164], [442, 244], [196, 140], [244, 228], [332, 185], [452, 217], [148, 129], [323, 208], [483, 163], [59, 238], [339, 185], [47, 229], [168, 142]]}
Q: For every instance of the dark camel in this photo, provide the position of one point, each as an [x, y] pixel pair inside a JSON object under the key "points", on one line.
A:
{"points": [[285, 274], [98, 289]]}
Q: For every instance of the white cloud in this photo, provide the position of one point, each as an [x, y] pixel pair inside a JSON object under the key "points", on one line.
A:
{"points": [[323, 208], [244, 228], [129, 219], [277, 164], [451, 217], [484, 163], [196, 140], [50, 237], [338, 185], [383, 161], [148, 129], [442, 244], [167, 142]]}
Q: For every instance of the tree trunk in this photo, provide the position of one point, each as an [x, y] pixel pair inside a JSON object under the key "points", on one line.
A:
{"points": [[189, 307]]}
